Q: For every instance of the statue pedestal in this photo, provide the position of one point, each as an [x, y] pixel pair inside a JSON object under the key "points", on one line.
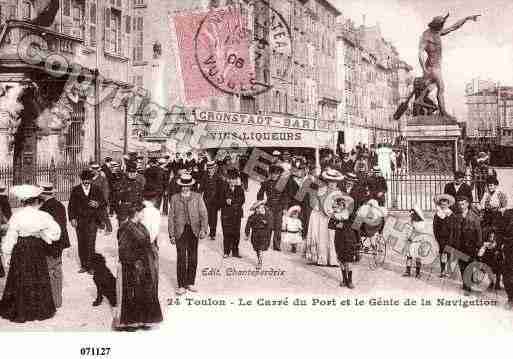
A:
{"points": [[432, 144]]}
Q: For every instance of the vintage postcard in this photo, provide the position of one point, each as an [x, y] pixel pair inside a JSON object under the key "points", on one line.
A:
{"points": [[159, 157]]}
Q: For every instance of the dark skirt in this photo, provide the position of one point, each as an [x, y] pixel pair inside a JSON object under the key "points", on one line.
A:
{"points": [[28, 293], [347, 244], [140, 303], [260, 239]]}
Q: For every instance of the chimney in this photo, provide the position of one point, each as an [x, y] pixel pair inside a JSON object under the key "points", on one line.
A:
{"points": [[363, 19]]}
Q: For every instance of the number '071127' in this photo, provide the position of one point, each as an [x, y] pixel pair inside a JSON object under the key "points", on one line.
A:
{"points": [[95, 351]]}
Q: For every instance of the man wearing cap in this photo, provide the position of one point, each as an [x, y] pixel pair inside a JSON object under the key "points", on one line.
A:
{"points": [[430, 54], [155, 178], [231, 200], [187, 222], [57, 210], [211, 187], [127, 192], [86, 212], [275, 202], [458, 188]]}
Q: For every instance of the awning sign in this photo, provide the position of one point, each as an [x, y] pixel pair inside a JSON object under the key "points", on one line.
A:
{"points": [[255, 120]]}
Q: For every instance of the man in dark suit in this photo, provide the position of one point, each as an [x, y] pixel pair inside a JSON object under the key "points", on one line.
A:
{"points": [[275, 202], [458, 188], [294, 191], [211, 186], [231, 201], [57, 210], [86, 212]]}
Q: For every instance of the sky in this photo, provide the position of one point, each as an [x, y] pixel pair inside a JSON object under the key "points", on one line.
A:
{"points": [[482, 49]]}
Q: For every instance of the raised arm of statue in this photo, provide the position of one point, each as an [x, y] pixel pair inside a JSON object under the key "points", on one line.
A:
{"points": [[458, 24], [423, 56]]}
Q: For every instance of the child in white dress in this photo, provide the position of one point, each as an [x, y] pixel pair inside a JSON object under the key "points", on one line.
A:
{"points": [[292, 228]]}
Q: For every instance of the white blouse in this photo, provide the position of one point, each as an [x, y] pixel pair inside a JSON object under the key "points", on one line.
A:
{"points": [[151, 220], [30, 221]]}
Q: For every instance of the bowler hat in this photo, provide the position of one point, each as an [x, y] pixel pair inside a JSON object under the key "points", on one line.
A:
{"points": [[86, 175]]}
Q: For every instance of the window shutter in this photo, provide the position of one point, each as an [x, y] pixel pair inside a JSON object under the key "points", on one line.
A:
{"points": [[128, 23], [106, 41]]}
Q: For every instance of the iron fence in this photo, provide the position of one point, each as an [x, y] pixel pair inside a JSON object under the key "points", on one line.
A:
{"points": [[406, 190], [62, 175]]}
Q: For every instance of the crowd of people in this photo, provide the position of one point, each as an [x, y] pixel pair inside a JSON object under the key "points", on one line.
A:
{"points": [[194, 191]]}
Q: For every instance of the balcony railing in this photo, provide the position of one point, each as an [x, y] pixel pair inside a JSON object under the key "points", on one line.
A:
{"points": [[330, 93], [14, 32]]}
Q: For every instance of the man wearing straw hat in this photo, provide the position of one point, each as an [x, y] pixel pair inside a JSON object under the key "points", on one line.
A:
{"points": [[58, 212], [187, 222]]}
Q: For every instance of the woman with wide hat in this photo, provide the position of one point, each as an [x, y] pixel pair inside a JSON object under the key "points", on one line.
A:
{"points": [[445, 229], [28, 294], [319, 246]]}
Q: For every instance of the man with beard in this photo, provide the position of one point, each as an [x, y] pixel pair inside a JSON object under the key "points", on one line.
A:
{"points": [[275, 201], [211, 186]]}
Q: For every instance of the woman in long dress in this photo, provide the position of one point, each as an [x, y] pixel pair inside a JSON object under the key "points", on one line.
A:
{"points": [[139, 306], [28, 294], [319, 246]]}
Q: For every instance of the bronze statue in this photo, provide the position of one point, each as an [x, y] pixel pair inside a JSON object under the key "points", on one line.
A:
{"points": [[430, 54], [430, 58]]}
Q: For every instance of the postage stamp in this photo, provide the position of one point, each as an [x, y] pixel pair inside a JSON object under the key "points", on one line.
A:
{"points": [[234, 45]]}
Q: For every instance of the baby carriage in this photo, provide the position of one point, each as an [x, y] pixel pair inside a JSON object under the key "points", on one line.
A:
{"points": [[373, 244]]}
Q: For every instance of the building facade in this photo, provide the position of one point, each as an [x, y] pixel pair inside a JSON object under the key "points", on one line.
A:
{"points": [[375, 82], [80, 39], [489, 114]]}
